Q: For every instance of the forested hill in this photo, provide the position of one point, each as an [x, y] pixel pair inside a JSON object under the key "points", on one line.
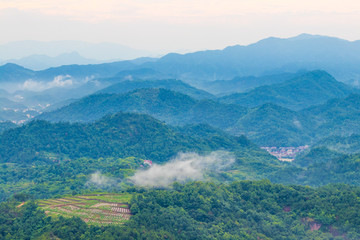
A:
{"points": [[349, 144], [14, 73], [171, 84], [6, 125], [272, 125], [118, 135], [204, 210], [266, 125], [308, 89], [166, 105], [339, 116]]}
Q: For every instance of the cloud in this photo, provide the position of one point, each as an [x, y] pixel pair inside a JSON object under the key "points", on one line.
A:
{"points": [[184, 167], [100, 180], [59, 81]]}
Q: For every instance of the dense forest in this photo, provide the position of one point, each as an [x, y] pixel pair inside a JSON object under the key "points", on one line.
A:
{"points": [[198, 210], [118, 135]]}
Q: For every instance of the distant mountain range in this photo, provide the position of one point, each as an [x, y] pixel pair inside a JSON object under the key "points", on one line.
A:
{"points": [[42, 62], [97, 51], [272, 56], [339, 57], [267, 124]]}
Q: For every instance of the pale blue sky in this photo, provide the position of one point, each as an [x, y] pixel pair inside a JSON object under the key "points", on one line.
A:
{"points": [[172, 25]]}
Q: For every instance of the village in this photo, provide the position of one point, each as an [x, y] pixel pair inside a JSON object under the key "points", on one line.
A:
{"points": [[287, 154]]}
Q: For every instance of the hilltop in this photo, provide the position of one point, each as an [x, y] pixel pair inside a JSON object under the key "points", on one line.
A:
{"points": [[302, 91], [166, 105], [170, 84], [118, 135]]}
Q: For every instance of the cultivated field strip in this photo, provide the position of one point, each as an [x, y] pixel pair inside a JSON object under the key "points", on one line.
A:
{"points": [[95, 209]]}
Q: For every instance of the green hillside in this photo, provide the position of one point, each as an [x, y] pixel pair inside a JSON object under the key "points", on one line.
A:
{"points": [[317, 155], [241, 210], [6, 125], [272, 125], [348, 145], [170, 84], [308, 89], [267, 125], [119, 135], [169, 106], [339, 116]]}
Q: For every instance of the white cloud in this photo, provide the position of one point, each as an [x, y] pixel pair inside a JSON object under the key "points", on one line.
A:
{"points": [[100, 180], [186, 166], [59, 81]]}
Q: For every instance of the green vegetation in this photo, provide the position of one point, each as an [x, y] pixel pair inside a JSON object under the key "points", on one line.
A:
{"points": [[198, 210], [305, 90], [272, 125], [119, 135], [347, 145], [6, 125], [317, 155], [46, 159], [244, 84], [266, 125], [172, 107], [337, 117], [65, 176], [322, 166], [170, 84]]}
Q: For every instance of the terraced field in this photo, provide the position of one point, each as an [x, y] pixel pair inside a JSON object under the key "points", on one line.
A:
{"points": [[95, 209]]}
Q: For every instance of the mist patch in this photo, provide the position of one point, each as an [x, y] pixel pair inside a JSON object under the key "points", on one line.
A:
{"points": [[184, 167]]}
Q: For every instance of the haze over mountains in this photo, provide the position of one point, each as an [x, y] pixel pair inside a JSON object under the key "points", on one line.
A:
{"points": [[263, 90], [41, 62], [296, 112], [273, 55], [38, 55], [269, 56], [283, 110]]}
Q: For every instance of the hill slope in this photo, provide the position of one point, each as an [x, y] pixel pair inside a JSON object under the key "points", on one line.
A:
{"points": [[305, 90], [272, 125], [171, 107], [171, 84], [244, 84], [119, 135], [340, 116], [348, 145]]}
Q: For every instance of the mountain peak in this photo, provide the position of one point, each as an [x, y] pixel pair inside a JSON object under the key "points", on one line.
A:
{"points": [[306, 36], [12, 66]]}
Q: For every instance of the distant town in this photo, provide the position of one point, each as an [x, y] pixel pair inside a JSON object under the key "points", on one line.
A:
{"points": [[285, 153]]}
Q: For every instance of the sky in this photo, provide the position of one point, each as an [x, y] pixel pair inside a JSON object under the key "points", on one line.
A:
{"points": [[176, 25]]}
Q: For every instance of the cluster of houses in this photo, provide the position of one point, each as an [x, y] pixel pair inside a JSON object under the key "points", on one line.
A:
{"points": [[285, 153], [146, 163]]}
